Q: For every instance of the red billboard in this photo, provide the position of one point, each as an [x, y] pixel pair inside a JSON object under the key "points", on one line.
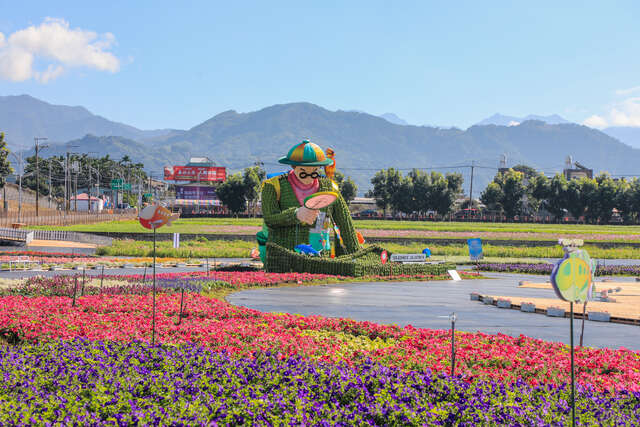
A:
{"points": [[195, 173]]}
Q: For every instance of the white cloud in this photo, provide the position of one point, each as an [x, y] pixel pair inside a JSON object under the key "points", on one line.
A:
{"points": [[57, 45], [628, 91], [595, 121], [513, 123], [623, 113]]}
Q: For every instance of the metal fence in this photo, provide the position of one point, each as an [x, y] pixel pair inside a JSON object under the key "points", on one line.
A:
{"points": [[16, 235], [12, 219], [72, 236]]}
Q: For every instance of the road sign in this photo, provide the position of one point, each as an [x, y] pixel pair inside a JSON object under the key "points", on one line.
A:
{"points": [[119, 184]]}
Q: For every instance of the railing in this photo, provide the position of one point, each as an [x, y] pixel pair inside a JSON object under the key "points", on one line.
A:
{"points": [[17, 235], [72, 236], [60, 219]]}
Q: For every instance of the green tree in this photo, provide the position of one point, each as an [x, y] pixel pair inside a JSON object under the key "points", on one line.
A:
{"points": [[385, 183], [576, 198], [348, 187], [507, 194], [556, 202], [5, 165], [492, 197], [402, 196], [537, 192], [606, 198], [252, 179], [232, 193]]}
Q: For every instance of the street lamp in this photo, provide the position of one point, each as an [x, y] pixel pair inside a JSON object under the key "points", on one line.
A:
{"points": [[38, 147]]}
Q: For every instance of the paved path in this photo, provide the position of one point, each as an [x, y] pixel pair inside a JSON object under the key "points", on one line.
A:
{"points": [[422, 304]]}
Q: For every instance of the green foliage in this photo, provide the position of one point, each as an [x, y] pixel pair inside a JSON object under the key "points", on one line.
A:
{"points": [[418, 192], [5, 165], [188, 249], [506, 193], [105, 168], [232, 193], [348, 187]]}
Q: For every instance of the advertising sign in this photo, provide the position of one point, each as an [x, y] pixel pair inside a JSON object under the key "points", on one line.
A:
{"points": [[201, 192], [195, 173], [475, 249]]}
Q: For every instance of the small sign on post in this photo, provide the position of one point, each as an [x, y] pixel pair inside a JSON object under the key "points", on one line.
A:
{"points": [[409, 258], [475, 249], [176, 240]]}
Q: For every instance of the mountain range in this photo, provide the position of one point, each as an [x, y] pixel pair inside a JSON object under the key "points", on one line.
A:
{"points": [[502, 120], [364, 143], [23, 117]]}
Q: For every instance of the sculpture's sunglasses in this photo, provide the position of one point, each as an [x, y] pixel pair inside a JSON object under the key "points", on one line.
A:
{"points": [[303, 175]]}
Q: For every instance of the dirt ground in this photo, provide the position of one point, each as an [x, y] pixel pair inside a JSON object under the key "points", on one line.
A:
{"points": [[61, 244]]}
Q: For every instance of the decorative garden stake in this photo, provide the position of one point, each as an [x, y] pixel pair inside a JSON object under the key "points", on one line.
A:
{"points": [[153, 217], [452, 318], [181, 299], [75, 289], [571, 278], [83, 282], [101, 278], [144, 277]]}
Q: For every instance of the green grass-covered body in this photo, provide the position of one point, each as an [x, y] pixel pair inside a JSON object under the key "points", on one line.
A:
{"points": [[365, 262]]}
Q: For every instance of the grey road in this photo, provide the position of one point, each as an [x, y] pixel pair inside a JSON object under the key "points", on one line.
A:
{"points": [[427, 305]]}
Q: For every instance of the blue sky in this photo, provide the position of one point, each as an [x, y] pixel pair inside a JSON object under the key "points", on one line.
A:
{"points": [[175, 64]]}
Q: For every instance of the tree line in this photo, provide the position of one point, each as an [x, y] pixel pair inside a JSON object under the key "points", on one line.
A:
{"points": [[417, 193], [523, 191]]}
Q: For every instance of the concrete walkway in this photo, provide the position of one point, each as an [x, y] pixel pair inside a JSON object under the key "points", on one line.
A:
{"points": [[427, 305]]}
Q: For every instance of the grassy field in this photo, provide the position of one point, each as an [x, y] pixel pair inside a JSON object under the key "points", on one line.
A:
{"points": [[203, 248], [209, 225], [188, 249]]}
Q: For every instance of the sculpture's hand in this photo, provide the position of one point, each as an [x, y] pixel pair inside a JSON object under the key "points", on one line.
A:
{"points": [[306, 215]]}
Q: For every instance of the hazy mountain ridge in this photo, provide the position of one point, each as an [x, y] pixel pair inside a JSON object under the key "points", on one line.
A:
{"points": [[23, 117], [365, 143], [628, 135], [502, 120]]}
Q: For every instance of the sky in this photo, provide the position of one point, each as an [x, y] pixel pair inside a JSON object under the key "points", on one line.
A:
{"points": [[156, 64]]}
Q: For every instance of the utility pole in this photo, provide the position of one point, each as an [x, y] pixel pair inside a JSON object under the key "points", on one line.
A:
{"points": [[21, 167], [67, 190], [473, 164], [49, 184], [38, 146], [89, 189]]}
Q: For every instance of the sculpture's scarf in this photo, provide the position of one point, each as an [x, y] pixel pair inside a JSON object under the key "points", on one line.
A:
{"points": [[301, 190]]}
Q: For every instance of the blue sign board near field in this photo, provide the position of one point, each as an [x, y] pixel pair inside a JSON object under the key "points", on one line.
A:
{"points": [[475, 249]]}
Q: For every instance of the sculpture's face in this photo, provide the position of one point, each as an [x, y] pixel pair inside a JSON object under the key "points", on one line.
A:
{"points": [[306, 174]]}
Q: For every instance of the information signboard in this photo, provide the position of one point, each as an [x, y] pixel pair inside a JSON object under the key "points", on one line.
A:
{"points": [[475, 249]]}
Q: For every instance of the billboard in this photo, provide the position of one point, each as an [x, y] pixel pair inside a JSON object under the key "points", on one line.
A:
{"points": [[201, 192], [195, 173]]}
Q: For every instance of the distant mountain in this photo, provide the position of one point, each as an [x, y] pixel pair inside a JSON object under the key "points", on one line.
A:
{"points": [[628, 135], [392, 118], [365, 143], [501, 120], [23, 117], [116, 147]]}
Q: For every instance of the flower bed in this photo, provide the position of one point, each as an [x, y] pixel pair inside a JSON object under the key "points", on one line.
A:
{"points": [[241, 331], [100, 383], [545, 269]]}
